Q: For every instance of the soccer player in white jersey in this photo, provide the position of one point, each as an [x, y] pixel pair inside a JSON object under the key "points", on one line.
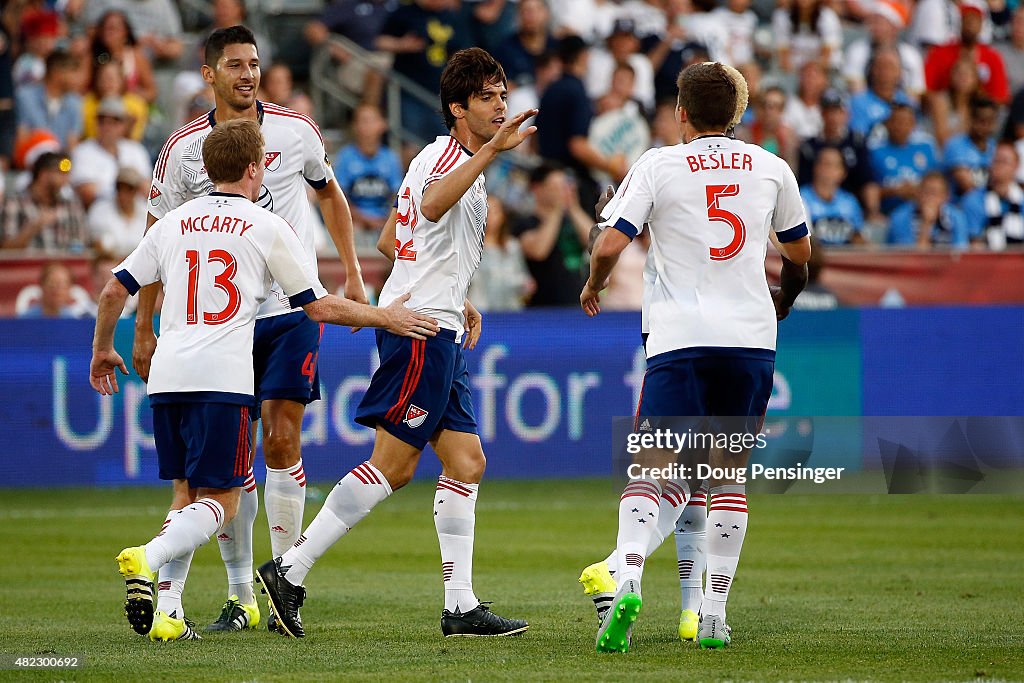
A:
{"points": [[217, 256], [420, 393], [710, 204], [286, 341]]}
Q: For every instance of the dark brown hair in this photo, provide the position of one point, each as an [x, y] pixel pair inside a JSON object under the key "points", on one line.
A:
{"points": [[467, 73], [708, 95], [230, 148]]}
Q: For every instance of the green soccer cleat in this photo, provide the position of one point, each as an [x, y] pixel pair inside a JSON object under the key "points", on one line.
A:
{"points": [[689, 624], [599, 584], [714, 634], [234, 616], [167, 627], [138, 581], [617, 628]]}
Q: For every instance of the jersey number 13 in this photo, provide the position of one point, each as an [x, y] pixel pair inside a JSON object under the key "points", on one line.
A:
{"points": [[223, 281]]}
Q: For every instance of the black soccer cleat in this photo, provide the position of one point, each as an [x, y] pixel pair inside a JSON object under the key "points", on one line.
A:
{"points": [[479, 622], [285, 599], [272, 624]]}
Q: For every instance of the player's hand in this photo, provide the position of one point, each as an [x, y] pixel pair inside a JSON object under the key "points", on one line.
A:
{"points": [[355, 291], [590, 300], [509, 136], [143, 349], [602, 201], [102, 371], [474, 326], [407, 322], [781, 309]]}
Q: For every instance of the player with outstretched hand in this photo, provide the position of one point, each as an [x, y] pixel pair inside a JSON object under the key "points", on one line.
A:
{"points": [[711, 204], [286, 342], [216, 257], [420, 393]]}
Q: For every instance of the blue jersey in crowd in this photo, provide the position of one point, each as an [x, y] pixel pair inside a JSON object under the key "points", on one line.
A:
{"points": [[960, 151], [894, 164], [370, 183], [868, 110], [951, 228], [833, 221]]}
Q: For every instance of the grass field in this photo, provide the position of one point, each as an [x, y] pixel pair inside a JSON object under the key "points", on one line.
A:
{"points": [[916, 588]]}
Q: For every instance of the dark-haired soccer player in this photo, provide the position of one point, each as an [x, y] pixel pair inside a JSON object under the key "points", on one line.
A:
{"points": [[216, 255], [287, 342], [420, 393], [711, 204]]}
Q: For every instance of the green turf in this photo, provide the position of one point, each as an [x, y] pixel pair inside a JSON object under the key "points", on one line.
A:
{"points": [[830, 588]]}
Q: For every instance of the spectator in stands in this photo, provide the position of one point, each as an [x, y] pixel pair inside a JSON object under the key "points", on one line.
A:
{"points": [[7, 120], [807, 31], [751, 72], [44, 215], [703, 25], [54, 104], [900, 163], [563, 124], [55, 300], [768, 130], [967, 157], [277, 86], [156, 23], [114, 41], [361, 22], [856, 161], [622, 47], [884, 23], [949, 111], [117, 223], [94, 163], [934, 22], [740, 23], [422, 36], [547, 70], [108, 81], [930, 218], [488, 22], [871, 107], [39, 32], [676, 47], [228, 13], [620, 127], [1012, 51], [502, 282], [369, 172], [995, 214], [664, 127], [835, 215], [519, 52], [554, 238], [939, 63], [591, 20], [803, 112]]}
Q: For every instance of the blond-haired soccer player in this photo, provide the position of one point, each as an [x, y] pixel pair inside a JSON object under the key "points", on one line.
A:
{"points": [[712, 204], [217, 257]]}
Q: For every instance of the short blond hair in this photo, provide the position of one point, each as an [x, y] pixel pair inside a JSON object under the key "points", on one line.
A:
{"points": [[230, 148], [742, 93]]}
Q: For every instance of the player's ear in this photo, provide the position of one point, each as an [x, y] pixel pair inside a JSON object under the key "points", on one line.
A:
{"points": [[207, 73], [458, 111], [680, 114]]}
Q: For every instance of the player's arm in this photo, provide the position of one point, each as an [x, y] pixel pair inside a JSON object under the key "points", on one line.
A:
{"points": [[607, 249], [105, 360], [386, 242], [144, 344], [442, 194], [338, 221]]}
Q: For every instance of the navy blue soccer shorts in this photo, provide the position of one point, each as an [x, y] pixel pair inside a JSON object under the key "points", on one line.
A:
{"points": [[705, 382], [284, 353], [420, 388], [205, 443]]}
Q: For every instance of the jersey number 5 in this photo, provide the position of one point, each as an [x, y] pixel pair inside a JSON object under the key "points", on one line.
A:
{"points": [[717, 213], [222, 281]]}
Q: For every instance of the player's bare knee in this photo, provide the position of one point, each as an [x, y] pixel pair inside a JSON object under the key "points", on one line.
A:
{"points": [[281, 448]]}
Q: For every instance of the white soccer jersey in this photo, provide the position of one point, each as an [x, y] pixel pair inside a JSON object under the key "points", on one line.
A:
{"points": [[294, 152], [217, 257], [436, 261], [710, 205]]}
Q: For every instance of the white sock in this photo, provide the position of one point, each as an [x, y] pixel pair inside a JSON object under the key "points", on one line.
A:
{"points": [[284, 496], [455, 521], [172, 584], [673, 500], [235, 542], [188, 530], [352, 499], [691, 542], [638, 518], [727, 525]]}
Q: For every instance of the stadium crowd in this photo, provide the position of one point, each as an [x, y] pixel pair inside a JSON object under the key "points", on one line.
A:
{"points": [[903, 120]]}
